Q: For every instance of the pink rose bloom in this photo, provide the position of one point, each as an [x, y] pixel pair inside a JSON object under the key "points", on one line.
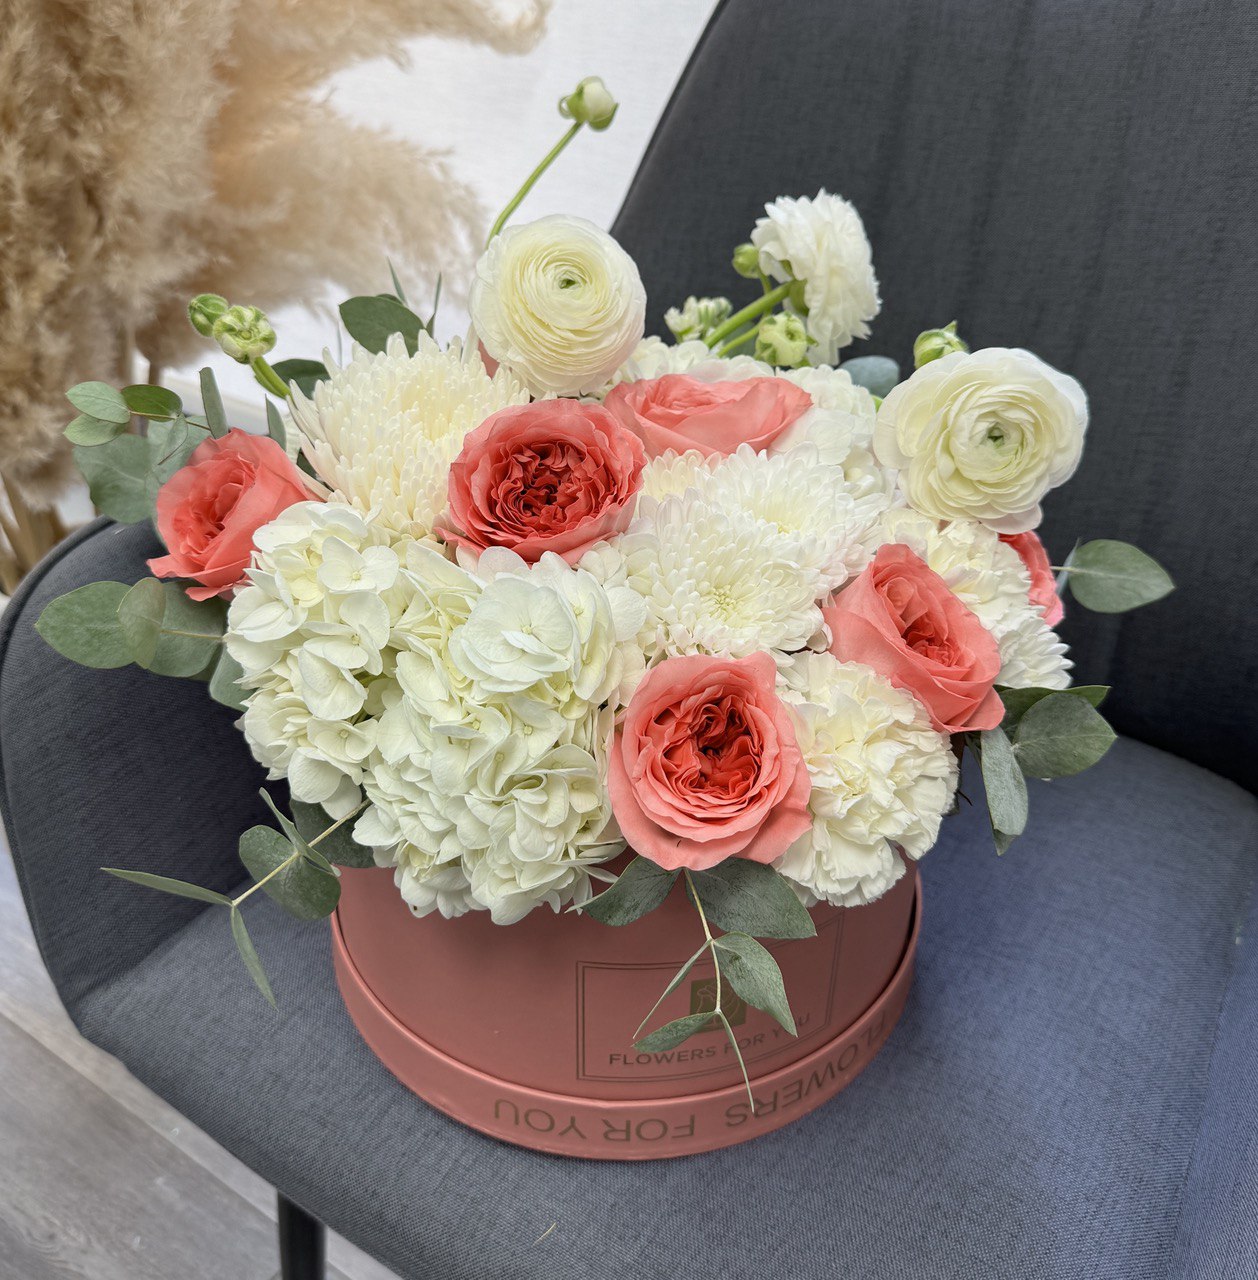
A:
{"points": [[900, 618], [209, 510], [679, 412], [555, 475], [1043, 585], [705, 765]]}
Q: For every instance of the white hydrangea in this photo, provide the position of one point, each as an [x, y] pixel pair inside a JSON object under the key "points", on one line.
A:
{"points": [[822, 242], [382, 431], [989, 578], [472, 710], [882, 779]]}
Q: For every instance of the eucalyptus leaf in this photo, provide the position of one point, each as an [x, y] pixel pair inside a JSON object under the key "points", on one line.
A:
{"points": [[671, 1034], [189, 631], [1004, 783], [180, 888], [83, 625], [295, 837], [224, 686], [301, 888], [397, 284], [1003, 841], [1059, 736], [641, 887], [212, 403], [140, 615], [171, 443], [749, 897], [307, 374], [339, 846], [371, 321], [249, 954], [1112, 577], [677, 979], [755, 975], [152, 402], [1018, 701], [275, 425], [89, 431], [877, 374], [100, 400], [117, 477]]}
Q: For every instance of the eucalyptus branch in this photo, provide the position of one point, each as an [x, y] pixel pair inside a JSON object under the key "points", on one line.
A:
{"points": [[274, 871], [340, 822]]}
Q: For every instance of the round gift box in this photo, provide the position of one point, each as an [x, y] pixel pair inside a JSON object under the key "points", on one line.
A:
{"points": [[526, 1032]]}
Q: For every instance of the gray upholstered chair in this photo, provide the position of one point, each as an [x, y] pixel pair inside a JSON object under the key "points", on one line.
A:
{"points": [[1070, 1093]]}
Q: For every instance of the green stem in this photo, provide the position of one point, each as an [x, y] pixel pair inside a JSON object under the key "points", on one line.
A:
{"points": [[531, 181], [338, 823], [749, 312], [268, 378], [741, 340]]}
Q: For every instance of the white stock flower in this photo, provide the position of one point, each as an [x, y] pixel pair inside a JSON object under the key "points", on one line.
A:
{"points": [[382, 431], [821, 241], [882, 779], [559, 302], [983, 435]]}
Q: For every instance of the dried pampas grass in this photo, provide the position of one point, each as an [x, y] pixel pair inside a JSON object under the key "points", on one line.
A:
{"points": [[150, 151]]}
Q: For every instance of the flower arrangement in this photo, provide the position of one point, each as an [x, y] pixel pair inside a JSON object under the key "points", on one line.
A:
{"points": [[561, 615]]}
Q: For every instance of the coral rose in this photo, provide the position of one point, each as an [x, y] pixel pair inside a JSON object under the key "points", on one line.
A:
{"points": [[556, 475], [1043, 585], [900, 618], [209, 510], [679, 412], [706, 766]]}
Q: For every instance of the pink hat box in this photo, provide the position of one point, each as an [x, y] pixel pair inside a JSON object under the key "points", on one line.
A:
{"points": [[525, 1032]]}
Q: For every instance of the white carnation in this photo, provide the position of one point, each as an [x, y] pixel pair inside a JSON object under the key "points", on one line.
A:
{"points": [[822, 242], [382, 431], [1033, 655], [882, 779]]}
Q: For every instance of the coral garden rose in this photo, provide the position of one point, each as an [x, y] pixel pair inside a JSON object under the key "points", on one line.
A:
{"points": [[900, 618], [209, 510], [555, 475], [1043, 584], [680, 412], [706, 765], [983, 435], [559, 303]]}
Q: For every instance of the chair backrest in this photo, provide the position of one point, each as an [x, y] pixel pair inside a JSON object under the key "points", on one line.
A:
{"points": [[1079, 177]]}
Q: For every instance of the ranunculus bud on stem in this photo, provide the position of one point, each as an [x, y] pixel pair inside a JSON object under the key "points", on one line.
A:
{"points": [[747, 261], [750, 312], [782, 340], [933, 343], [589, 103], [244, 333], [204, 310]]}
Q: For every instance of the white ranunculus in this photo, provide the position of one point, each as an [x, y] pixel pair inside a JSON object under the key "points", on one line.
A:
{"points": [[822, 242], [983, 435], [559, 303]]}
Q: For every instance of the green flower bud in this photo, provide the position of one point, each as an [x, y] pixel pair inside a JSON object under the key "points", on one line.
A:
{"points": [[203, 310], [782, 341], [697, 317], [934, 343], [747, 260], [244, 333], [590, 103]]}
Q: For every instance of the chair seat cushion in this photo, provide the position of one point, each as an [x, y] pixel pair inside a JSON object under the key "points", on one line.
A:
{"points": [[1043, 1109]]}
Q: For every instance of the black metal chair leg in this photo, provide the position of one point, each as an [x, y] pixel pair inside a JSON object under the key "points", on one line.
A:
{"points": [[303, 1243]]}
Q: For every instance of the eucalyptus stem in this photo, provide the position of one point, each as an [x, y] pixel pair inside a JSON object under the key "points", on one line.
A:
{"points": [[531, 181], [270, 875], [340, 822], [268, 378], [750, 312]]}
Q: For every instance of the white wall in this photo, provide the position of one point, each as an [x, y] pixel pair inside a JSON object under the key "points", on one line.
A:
{"points": [[497, 117]]}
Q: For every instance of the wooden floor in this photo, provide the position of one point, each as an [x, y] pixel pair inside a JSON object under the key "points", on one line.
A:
{"points": [[99, 1178]]}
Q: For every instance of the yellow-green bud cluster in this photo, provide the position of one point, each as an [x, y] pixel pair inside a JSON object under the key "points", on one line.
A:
{"points": [[697, 317], [782, 341], [590, 103], [934, 343]]}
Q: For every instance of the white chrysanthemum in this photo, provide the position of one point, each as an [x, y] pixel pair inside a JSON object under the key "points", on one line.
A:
{"points": [[672, 473], [989, 578], [840, 425], [382, 431], [714, 582], [882, 779], [822, 242]]}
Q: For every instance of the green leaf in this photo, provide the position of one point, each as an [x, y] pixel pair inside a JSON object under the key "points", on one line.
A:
{"points": [[371, 321], [436, 302], [641, 887], [224, 686], [152, 402], [1003, 841], [140, 615], [100, 400], [755, 975], [750, 897], [677, 979], [340, 846], [89, 431], [1112, 577], [83, 625], [1004, 783], [180, 888], [397, 285], [305, 373], [295, 837], [212, 403], [671, 1034], [1018, 701], [302, 889], [249, 954], [1059, 736], [171, 444], [117, 477], [275, 425]]}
